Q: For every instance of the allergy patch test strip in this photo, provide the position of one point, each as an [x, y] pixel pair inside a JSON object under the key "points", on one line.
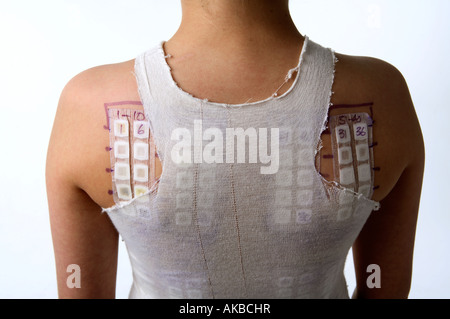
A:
{"points": [[132, 153], [351, 140]]}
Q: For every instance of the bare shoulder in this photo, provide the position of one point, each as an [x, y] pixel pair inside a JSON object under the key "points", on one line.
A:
{"points": [[379, 88], [94, 83], [77, 180], [387, 238], [362, 78], [78, 148]]}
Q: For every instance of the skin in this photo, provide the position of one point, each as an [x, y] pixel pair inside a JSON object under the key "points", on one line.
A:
{"points": [[212, 36]]}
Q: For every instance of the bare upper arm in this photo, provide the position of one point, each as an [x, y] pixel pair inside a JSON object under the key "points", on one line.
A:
{"points": [[77, 183]]}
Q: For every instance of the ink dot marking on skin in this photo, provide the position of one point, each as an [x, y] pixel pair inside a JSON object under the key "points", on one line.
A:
{"points": [[108, 170], [108, 149], [110, 192]]}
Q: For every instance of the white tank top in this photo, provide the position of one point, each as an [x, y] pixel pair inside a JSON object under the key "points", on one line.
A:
{"points": [[234, 223]]}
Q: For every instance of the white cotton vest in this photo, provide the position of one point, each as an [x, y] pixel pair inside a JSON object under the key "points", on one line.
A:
{"points": [[225, 220]]}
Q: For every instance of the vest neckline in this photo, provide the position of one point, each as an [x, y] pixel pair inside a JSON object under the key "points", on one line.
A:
{"points": [[179, 91]]}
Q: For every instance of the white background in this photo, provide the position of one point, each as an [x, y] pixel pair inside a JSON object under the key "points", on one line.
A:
{"points": [[45, 43]]}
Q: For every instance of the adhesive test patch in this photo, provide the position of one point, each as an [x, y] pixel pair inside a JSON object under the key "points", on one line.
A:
{"points": [[351, 137], [133, 154]]}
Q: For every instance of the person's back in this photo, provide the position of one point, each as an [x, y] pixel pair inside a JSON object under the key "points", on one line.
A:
{"points": [[233, 67]]}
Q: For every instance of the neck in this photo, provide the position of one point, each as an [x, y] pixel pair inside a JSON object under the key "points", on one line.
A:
{"points": [[242, 24]]}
